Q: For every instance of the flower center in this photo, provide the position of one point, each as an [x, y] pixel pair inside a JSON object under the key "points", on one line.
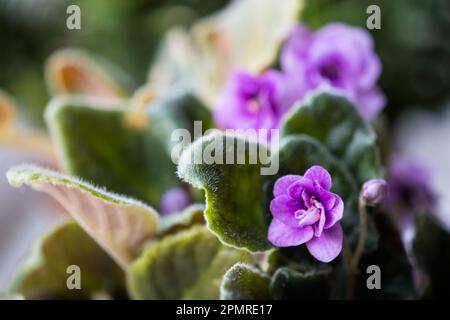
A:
{"points": [[330, 71], [308, 217], [253, 105]]}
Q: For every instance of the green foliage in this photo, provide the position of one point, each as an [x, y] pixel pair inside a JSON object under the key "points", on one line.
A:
{"points": [[335, 122], [44, 275], [120, 225], [244, 282], [178, 221], [432, 251], [178, 109], [390, 256], [187, 265], [98, 142], [233, 194], [291, 284]]}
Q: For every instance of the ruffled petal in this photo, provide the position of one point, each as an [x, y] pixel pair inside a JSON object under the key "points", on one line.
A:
{"points": [[297, 188], [309, 217], [284, 183], [328, 246], [281, 235], [283, 208], [335, 214], [319, 174], [318, 227], [325, 197]]}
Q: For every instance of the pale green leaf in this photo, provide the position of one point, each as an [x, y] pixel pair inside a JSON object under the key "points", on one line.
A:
{"points": [[119, 224]]}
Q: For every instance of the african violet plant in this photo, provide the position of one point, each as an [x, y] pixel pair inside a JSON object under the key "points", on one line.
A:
{"points": [[144, 227]]}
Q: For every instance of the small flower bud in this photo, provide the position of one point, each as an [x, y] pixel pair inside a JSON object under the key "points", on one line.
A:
{"points": [[173, 200], [374, 191]]}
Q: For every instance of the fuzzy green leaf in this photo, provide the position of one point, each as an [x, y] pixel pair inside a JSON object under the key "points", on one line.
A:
{"points": [[244, 282], [97, 142], [233, 193], [178, 221], [187, 265]]}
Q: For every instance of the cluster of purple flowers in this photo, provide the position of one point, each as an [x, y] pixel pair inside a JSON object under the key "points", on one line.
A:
{"points": [[337, 56]]}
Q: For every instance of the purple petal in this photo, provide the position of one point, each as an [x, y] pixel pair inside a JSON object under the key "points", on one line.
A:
{"points": [[319, 174], [295, 47], [281, 235], [306, 199], [283, 208], [297, 188], [284, 183], [250, 101], [371, 71], [370, 103], [338, 31], [328, 246], [334, 214], [325, 197], [318, 227], [308, 217]]}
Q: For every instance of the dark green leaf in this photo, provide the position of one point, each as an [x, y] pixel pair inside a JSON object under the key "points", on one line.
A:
{"points": [[432, 251], [294, 285], [178, 109], [335, 122], [391, 258]]}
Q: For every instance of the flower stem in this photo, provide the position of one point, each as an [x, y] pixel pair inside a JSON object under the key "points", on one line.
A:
{"points": [[362, 233], [351, 274]]}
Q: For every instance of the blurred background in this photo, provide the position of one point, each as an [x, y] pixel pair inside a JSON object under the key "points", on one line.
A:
{"points": [[413, 44]]}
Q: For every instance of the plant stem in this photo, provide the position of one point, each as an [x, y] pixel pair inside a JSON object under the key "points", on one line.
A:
{"points": [[362, 233], [350, 270]]}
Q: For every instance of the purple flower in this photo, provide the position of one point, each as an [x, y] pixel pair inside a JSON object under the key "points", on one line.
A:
{"points": [[250, 101], [336, 56], [174, 200], [410, 186], [374, 191], [305, 211], [410, 192]]}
